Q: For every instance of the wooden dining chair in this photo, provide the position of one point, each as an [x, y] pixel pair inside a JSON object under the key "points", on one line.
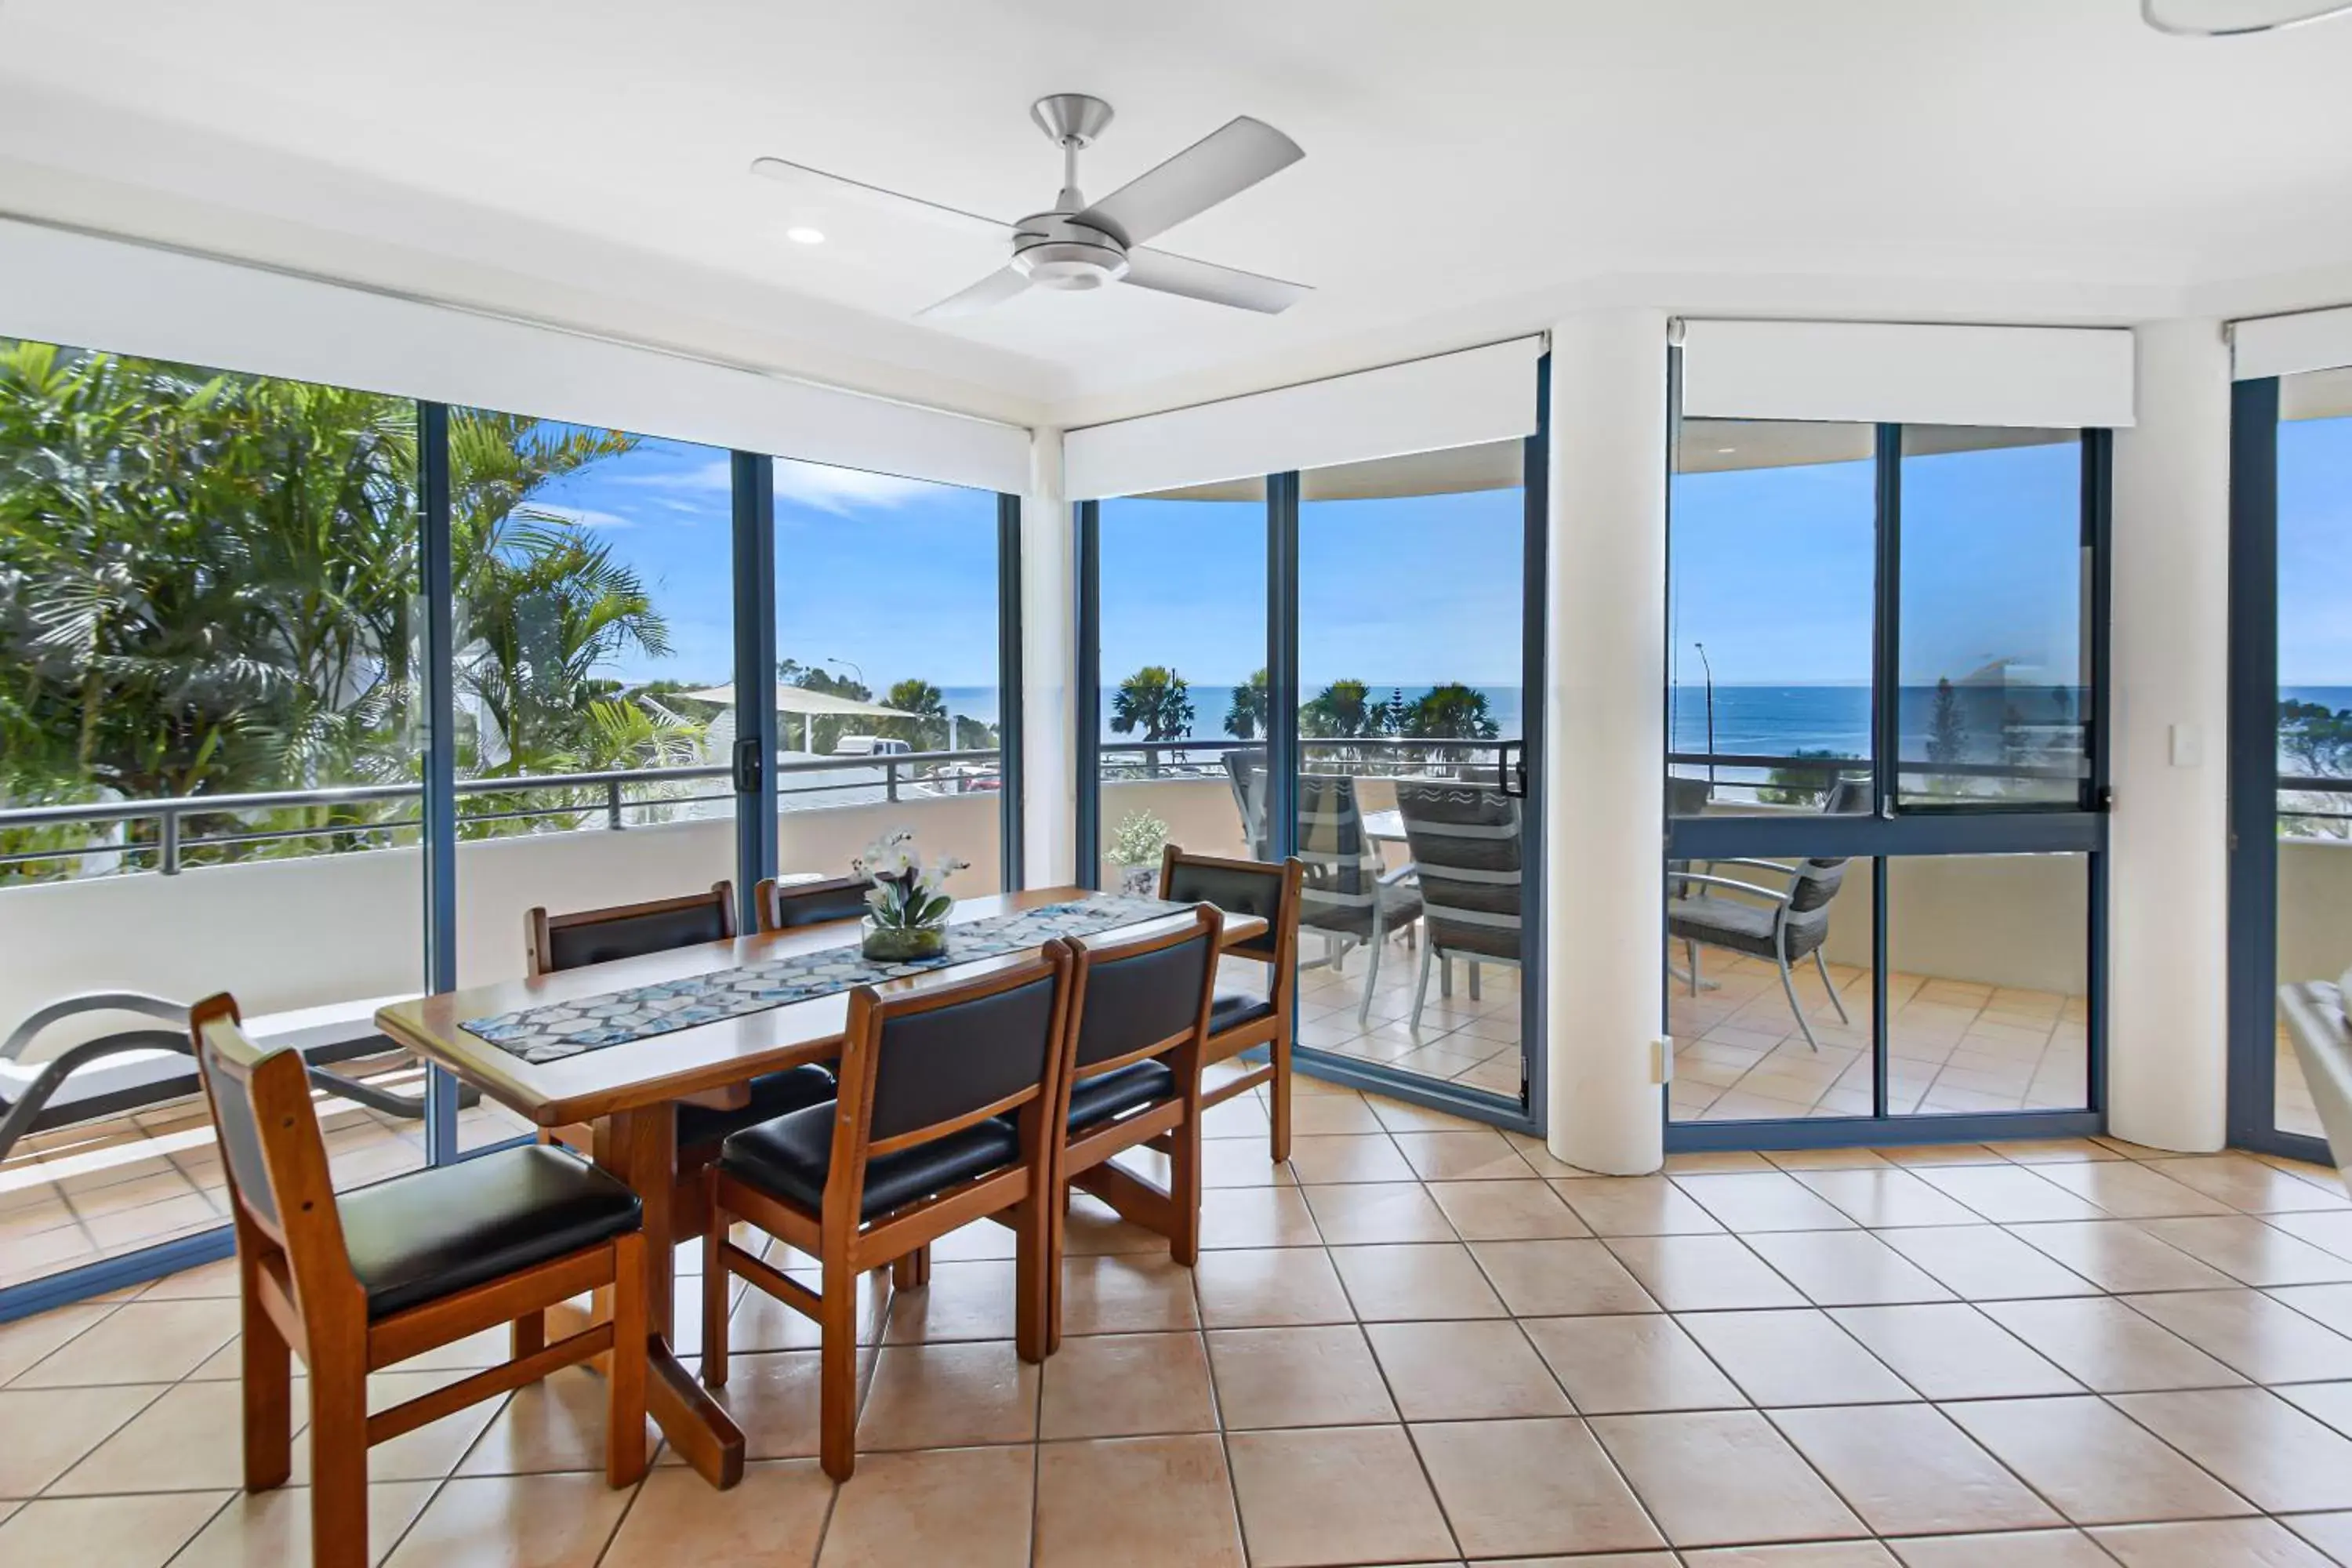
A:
{"points": [[633, 930], [788, 906], [946, 1116], [1241, 1020], [362, 1281], [1131, 1076]]}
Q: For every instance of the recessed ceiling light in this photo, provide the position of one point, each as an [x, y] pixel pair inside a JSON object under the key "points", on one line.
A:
{"points": [[1725, 451], [805, 236]]}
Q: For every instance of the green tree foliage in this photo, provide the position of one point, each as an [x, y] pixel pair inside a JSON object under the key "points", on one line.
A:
{"points": [[1343, 710], [1156, 700], [1449, 713], [928, 730], [1948, 728], [1798, 786], [207, 584], [1245, 715]]}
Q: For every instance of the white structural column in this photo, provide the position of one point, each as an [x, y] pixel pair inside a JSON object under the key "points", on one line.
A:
{"points": [[1048, 671], [1604, 739], [2168, 930]]}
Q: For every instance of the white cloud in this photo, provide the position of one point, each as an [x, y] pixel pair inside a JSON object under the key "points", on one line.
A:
{"points": [[717, 478], [585, 517], [843, 490]]}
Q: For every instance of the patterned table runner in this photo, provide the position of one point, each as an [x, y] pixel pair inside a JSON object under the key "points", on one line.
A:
{"points": [[560, 1029]]}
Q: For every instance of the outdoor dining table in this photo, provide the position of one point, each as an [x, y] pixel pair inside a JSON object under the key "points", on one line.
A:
{"points": [[626, 1092]]}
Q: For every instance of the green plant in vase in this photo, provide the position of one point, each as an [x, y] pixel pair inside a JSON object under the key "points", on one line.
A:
{"points": [[1136, 849], [907, 907]]}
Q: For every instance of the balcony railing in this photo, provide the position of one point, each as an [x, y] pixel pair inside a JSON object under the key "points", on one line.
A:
{"points": [[606, 800], [1367, 756]]}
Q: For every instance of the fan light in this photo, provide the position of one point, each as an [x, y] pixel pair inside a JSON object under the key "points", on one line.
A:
{"points": [[805, 236], [2222, 18]]}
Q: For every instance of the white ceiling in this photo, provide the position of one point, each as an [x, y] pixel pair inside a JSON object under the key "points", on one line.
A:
{"points": [[1472, 168]]}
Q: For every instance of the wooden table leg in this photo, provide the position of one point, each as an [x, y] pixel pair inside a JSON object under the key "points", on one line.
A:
{"points": [[640, 1147]]}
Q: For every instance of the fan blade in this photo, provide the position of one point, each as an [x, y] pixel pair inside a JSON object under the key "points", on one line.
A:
{"points": [[1169, 274], [1220, 165], [994, 290], [815, 184]]}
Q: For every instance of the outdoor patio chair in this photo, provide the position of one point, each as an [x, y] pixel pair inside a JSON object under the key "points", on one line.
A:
{"points": [[1467, 850], [134, 1070], [1245, 771], [2323, 1043], [1347, 895], [1792, 924]]}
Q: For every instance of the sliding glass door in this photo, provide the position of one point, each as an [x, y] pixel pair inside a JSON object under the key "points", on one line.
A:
{"points": [[2291, 718], [1885, 796], [1409, 790]]}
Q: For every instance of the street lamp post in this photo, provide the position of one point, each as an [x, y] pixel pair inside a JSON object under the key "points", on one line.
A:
{"points": [[1708, 665]]}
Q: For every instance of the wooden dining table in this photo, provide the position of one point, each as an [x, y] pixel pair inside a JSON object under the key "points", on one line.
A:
{"points": [[626, 1093]]}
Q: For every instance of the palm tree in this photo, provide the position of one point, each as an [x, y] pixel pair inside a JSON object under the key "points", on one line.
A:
{"points": [[1156, 700], [1247, 715]]}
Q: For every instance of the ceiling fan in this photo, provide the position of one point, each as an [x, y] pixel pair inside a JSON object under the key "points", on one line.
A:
{"points": [[1075, 245]]}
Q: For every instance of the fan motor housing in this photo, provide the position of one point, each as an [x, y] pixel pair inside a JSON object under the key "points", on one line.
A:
{"points": [[1056, 251]]}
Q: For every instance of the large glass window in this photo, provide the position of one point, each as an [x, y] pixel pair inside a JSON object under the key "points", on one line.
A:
{"points": [[1181, 655], [888, 703], [209, 742], [1883, 637], [1769, 606], [1993, 664]]}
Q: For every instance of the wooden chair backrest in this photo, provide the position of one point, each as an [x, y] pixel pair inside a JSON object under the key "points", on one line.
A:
{"points": [[785, 906], [923, 1063], [628, 930], [1266, 888], [1131, 1001], [279, 1182]]}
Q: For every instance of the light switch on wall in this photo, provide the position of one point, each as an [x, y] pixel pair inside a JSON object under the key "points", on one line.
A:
{"points": [[2187, 746]]}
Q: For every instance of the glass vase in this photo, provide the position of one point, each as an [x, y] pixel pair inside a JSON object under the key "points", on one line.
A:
{"points": [[903, 944]]}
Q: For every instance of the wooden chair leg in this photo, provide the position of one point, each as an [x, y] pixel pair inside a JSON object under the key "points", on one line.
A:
{"points": [[530, 1334], [338, 1491], [718, 1287], [624, 1387], [1184, 1195], [837, 1370], [1057, 1231], [269, 1392], [912, 1271], [1035, 1270], [1278, 1052]]}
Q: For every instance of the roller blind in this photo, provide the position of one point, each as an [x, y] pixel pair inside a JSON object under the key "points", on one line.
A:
{"points": [[1451, 400], [2046, 377], [2289, 345], [85, 291]]}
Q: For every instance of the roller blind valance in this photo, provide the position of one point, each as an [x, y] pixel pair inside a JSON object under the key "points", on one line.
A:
{"points": [[86, 292], [1431, 404], [2040, 377], [2290, 345]]}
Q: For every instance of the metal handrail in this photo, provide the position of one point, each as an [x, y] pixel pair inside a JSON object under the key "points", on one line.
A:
{"points": [[172, 842], [1906, 765]]}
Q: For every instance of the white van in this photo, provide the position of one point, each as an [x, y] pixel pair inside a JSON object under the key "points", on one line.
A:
{"points": [[871, 746]]}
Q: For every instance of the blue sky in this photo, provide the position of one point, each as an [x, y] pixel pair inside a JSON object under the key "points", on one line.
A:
{"points": [[1772, 570]]}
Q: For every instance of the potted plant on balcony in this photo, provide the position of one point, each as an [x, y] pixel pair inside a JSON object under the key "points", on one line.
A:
{"points": [[907, 907], [1135, 849]]}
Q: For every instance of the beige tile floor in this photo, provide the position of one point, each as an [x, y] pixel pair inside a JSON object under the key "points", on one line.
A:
{"points": [[1419, 1341], [1953, 1045], [81, 1195]]}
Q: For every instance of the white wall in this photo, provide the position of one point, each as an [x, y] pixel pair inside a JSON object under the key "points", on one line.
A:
{"points": [[2167, 1036]]}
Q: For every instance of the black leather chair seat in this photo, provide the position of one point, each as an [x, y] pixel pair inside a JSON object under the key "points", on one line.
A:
{"points": [[417, 1239], [790, 1156], [1115, 1093], [1232, 1009], [773, 1095]]}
